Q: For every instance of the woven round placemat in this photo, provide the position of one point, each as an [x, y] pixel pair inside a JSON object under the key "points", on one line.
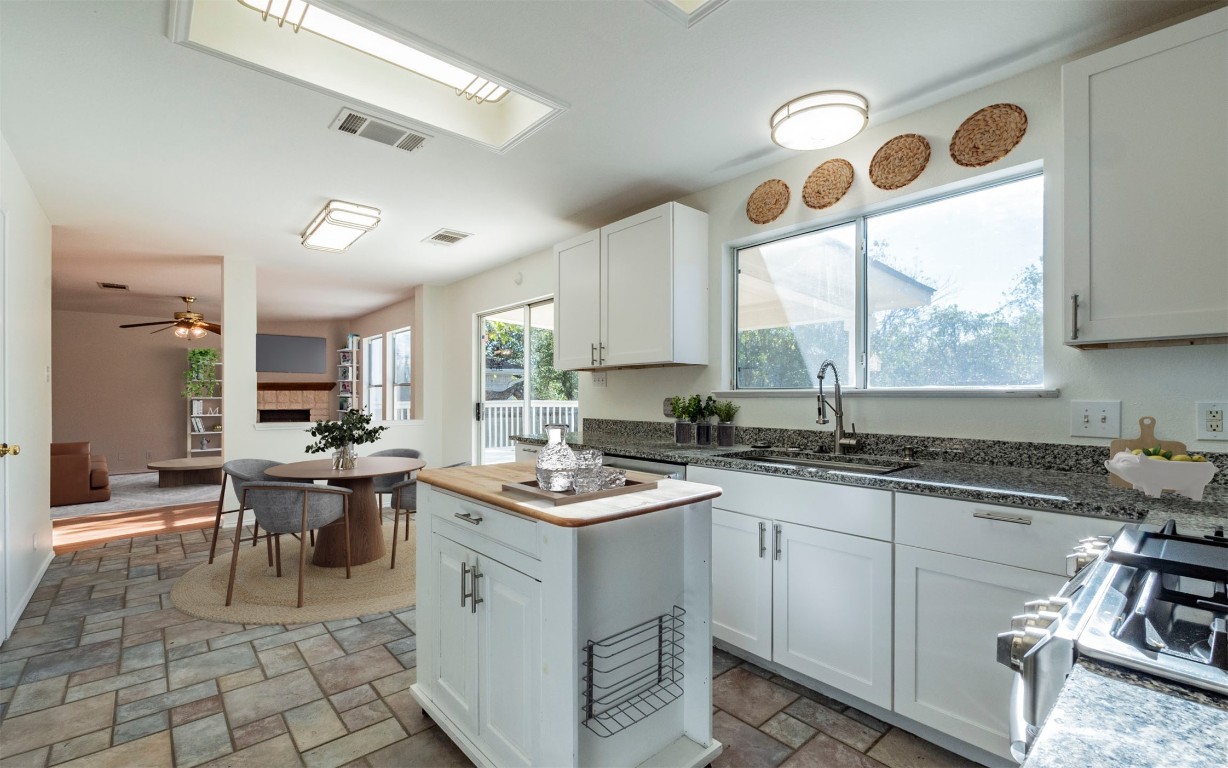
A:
{"points": [[901, 160], [262, 598], [988, 135], [768, 201], [827, 184]]}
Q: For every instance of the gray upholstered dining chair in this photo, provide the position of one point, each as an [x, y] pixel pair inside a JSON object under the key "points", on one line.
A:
{"points": [[385, 483], [405, 500], [239, 472], [294, 508]]}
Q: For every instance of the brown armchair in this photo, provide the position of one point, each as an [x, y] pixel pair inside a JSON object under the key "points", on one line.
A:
{"points": [[77, 476]]}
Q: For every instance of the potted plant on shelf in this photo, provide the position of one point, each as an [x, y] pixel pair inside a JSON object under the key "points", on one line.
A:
{"points": [[724, 411], [200, 379], [343, 436], [703, 419], [683, 432]]}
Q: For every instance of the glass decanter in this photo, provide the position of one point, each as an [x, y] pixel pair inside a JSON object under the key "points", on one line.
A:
{"points": [[556, 462]]}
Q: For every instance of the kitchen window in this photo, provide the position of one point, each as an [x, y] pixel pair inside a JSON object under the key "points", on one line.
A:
{"points": [[942, 294], [373, 386]]}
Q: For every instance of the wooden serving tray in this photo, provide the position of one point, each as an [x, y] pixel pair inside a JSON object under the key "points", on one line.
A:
{"points": [[571, 497]]}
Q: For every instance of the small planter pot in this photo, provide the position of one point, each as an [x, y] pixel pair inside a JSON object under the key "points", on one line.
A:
{"points": [[684, 432], [703, 433], [724, 434]]}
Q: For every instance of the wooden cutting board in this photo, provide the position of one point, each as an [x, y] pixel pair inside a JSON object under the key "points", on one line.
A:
{"points": [[1145, 439]]}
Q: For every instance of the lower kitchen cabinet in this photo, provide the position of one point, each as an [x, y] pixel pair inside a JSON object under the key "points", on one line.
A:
{"points": [[488, 651], [949, 610], [742, 582]]}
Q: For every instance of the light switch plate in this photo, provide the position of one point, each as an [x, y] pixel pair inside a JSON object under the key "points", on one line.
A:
{"points": [[1095, 418], [599, 378], [1210, 421]]}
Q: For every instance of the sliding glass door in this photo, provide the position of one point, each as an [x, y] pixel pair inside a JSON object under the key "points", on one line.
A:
{"points": [[521, 390]]}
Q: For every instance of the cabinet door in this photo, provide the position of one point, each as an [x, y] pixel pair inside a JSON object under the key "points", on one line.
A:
{"points": [[636, 303], [577, 312], [456, 634], [509, 621], [948, 613], [1146, 182], [742, 581], [832, 610]]}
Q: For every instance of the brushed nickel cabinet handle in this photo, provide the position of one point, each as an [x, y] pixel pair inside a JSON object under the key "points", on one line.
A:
{"points": [[464, 572], [467, 517], [473, 604], [1002, 517], [777, 526], [601, 354], [762, 539], [1074, 317], [592, 354]]}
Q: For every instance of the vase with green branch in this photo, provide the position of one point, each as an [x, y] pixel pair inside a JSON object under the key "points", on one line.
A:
{"points": [[343, 436], [200, 379], [724, 411], [684, 429]]}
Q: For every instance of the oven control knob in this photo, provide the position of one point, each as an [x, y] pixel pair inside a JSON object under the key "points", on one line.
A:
{"points": [[1038, 619], [1052, 605], [1023, 641], [1079, 559]]}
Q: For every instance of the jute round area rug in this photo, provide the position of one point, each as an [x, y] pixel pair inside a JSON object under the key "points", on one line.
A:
{"points": [[262, 598]]}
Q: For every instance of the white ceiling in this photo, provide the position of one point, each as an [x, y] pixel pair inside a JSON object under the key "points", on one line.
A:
{"points": [[152, 160]]}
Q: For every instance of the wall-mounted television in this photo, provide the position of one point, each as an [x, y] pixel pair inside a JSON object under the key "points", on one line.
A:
{"points": [[291, 354]]}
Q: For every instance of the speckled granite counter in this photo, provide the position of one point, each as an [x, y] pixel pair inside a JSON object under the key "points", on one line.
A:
{"points": [[1070, 492], [1110, 716]]}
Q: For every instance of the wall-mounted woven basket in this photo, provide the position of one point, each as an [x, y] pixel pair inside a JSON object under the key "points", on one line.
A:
{"points": [[827, 184], [988, 135], [768, 201], [900, 161]]}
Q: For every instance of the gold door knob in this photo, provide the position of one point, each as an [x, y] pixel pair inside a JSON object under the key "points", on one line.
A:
{"points": [[9, 450]]}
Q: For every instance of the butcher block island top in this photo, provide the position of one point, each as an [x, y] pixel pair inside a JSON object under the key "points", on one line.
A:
{"points": [[485, 484]]}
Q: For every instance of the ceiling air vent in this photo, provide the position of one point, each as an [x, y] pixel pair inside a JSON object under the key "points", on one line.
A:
{"points": [[113, 286], [446, 237], [390, 134]]}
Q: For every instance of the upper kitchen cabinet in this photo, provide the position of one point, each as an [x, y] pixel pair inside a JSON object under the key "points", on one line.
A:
{"points": [[634, 293], [1146, 187]]}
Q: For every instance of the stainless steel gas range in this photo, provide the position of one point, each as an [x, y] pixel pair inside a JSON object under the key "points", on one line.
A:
{"points": [[1148, 598]]}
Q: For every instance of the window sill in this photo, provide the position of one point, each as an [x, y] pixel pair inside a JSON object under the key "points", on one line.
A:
{"points": [[922, 392]]}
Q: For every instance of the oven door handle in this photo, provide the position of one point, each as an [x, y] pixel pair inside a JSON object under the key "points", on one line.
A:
{"points": [[1021, 732]]}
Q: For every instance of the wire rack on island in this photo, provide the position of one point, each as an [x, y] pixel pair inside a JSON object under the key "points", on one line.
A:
{"points": [[633, 673]]}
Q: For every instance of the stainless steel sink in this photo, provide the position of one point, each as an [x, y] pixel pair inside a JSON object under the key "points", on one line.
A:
{"points": [[865, 465]]}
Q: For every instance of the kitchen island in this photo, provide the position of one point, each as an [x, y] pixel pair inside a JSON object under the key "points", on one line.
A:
{"points": [[565, 635]]}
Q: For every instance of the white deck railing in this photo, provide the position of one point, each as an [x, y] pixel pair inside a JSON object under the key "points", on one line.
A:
{"points": [[503, 418]]}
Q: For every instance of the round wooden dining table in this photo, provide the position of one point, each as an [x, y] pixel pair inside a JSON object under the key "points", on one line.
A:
{"points": [[366, 519]]}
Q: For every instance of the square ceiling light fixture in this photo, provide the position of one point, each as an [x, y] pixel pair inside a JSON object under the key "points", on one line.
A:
{"points": [[687, 12], [340, 51], [339, 225]]}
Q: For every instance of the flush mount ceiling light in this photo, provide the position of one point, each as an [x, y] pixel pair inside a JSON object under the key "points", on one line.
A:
{"points": [[818, 120], [338, 225]]}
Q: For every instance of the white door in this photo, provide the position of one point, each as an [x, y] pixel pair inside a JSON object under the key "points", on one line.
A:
{"points": [[510, 664], [742, 552], [948, 613], [5, 628], [456, 633], [637, 267], [577, 313], [832, 610]]}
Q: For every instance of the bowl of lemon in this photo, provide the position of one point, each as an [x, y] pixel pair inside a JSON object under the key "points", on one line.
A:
{"points": [[1155, 470]]}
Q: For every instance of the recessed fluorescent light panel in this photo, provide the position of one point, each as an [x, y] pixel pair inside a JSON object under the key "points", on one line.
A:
{"points": [[340, 224], [336, 50], [687, 12]]}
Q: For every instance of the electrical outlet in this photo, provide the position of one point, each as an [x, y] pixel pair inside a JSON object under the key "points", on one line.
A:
{"points": [[1209, 420], [1095, 418]]}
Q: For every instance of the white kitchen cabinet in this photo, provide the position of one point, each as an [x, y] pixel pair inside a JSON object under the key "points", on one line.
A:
{"points": [[948, 613], [634, 293], [1146, 187], [813, 600]]}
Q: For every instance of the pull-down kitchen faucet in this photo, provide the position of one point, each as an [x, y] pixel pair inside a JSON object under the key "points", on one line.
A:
{"points": [[843, 443]]}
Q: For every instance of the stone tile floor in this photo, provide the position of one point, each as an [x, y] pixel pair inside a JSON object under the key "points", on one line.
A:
{"points": [[103, 671]]}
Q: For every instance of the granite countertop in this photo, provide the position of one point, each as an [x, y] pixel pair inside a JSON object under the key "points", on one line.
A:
{"points": [[1108, 715], [1069, 492], [484, 483]]}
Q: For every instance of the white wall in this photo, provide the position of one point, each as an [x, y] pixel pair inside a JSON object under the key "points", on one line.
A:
{"points": [[1159, 382], [25, 518]]}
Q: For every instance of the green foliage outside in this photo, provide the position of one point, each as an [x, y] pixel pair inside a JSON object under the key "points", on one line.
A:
{"points": [[504, 349]]}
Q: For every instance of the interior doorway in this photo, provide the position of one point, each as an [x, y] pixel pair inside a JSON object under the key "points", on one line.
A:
{"points": [[520, 389]]}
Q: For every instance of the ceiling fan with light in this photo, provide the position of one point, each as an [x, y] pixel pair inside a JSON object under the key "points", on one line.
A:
{"points": [[187, 324]]}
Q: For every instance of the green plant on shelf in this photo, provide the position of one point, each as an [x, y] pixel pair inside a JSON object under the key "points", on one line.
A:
{"points": [[200, 379]]}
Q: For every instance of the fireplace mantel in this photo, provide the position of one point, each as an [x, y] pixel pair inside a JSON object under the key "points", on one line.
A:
{"points": [[295, 386]]}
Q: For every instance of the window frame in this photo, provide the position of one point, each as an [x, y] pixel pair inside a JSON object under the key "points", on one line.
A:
{"points": [[368, 379], [390, 367], [856, 384]]}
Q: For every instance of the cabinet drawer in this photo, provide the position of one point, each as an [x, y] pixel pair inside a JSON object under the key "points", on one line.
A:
{"points": [[1026, 538], [857, 511], [504, 528]]}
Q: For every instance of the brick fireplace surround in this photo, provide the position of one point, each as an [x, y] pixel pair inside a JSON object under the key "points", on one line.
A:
{"points": [[315, 397]]}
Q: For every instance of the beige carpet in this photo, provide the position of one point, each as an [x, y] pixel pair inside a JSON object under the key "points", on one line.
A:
{"points": [[262, 598]]}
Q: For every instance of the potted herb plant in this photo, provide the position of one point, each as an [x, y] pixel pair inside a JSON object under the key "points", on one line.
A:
{"points": [[703, 419], [200, 379], [724, 411], [341, 437], [683, 429]]}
